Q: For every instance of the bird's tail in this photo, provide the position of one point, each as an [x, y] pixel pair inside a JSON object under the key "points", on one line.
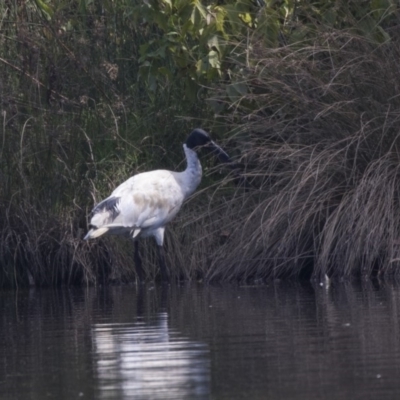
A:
{"points": [[95, 233]]}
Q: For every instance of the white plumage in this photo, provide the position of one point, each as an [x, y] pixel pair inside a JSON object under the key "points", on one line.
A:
{"points": [[145, 203]]}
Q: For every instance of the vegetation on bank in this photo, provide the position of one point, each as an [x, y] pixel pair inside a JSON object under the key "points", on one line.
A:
{"points": [[303, 94]]}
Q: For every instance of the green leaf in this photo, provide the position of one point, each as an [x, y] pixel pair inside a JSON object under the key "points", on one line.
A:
{"points": [[240, 87], [330, 17], [213, 59], [236, 90], [45, 8], [152, 83], [246, 18], [382, 36], [169, 2], [220, 19], [195, 17], [213, 43], [201, 8], [216, 106], [165, 71], [202, 66], [232, 16]]}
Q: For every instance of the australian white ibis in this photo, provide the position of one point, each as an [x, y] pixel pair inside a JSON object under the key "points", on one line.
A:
{"points": [[146, 202]]}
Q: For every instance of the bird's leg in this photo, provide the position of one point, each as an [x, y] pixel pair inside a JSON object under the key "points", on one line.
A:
{"points": [[159, 236], [163, 266], [138, 263]]}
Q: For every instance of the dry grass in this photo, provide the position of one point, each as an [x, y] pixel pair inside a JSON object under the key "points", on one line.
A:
{"points": [[318, 132]]}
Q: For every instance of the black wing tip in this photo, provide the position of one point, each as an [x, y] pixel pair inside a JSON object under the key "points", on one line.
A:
{"points": [[110, 204]]}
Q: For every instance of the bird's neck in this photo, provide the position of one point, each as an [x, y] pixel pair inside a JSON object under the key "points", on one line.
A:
{"points": [[193, 171]]}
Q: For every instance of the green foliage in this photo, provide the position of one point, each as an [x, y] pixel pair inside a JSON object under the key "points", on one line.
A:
{"points": [[196, 42], [189, 39]]}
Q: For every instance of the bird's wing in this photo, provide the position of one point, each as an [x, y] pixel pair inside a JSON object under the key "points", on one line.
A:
{"points": [[150, 199]]}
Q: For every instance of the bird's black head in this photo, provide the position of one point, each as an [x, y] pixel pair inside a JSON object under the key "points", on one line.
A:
{"points": [[199, 138]]}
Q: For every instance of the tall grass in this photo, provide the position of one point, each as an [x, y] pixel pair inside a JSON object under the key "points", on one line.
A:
{"points": [[318, 131]]}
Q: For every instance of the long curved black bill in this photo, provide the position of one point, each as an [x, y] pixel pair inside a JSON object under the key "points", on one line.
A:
{"points": [[239, 178], [219, 152]]}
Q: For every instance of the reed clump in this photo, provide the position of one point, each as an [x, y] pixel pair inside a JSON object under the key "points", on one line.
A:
{"points": [[317, 130]]}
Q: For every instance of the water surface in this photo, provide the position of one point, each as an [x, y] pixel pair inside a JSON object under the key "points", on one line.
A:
{"points": [[282, 341]]}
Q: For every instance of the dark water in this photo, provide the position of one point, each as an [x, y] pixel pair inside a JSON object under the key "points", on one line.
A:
{"points": [[284, 341]]}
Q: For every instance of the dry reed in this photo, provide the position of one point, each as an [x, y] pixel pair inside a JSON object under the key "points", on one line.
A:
{"points": [[318, 133]]}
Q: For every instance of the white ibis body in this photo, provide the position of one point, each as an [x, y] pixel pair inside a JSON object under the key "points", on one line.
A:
{"points": [[146, 202]]}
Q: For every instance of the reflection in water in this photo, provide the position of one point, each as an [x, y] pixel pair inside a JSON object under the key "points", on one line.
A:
{"points": [[292, 341], [282, 341], [149, 361]]}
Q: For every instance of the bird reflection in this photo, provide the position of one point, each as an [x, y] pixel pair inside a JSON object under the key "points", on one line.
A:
{"points": [[149, 360]]}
